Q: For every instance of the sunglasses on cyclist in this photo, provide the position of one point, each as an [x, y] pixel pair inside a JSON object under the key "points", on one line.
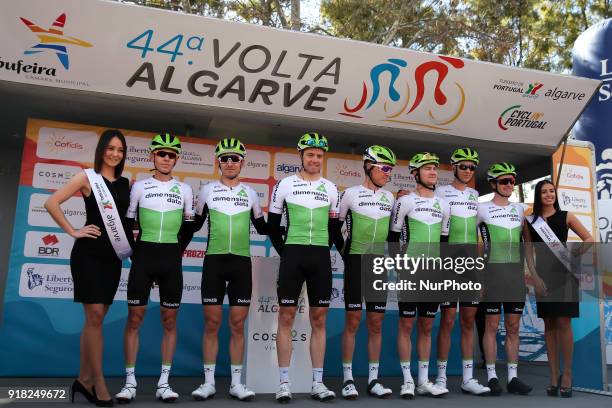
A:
{"points": [[467, 167], [233, 158], [385, 168], [506, 181], [314, 143], [162, 154]]}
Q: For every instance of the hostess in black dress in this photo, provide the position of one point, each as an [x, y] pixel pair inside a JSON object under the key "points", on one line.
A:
{"points": [[95, 267], [562, 298]]}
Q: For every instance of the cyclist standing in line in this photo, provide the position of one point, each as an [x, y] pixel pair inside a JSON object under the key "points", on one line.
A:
{"points": [[230, 207], [423, 217], [310, 203], [366, 209], [164, 208], [462, 237], [500, 224]]}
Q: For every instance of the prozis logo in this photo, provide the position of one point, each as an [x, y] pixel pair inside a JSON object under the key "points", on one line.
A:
{"points": [[60, 143], [514, 116], [53, 40], [526, 90]]}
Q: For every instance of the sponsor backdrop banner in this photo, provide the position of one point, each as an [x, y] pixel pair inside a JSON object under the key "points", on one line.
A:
{"points": [[190, 59], [592, 55], [38, 301], [576, 193]]}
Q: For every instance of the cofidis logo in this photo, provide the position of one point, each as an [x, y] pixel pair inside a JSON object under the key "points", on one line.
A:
{"points": [[53, 39]]}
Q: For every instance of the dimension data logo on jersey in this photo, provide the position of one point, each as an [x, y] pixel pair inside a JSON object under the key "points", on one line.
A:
{"points": [[449, 104], [384, 199], [321, 188], [515, 117], [437, 205], [471, 197], [176, 189], [242, 193]]}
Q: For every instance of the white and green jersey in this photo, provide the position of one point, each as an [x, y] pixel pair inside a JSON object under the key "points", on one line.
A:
{"points": [[367, 214], [161, 207], [425, 220], [229, 216], [463, 207], [500, 230], [308, 205]]}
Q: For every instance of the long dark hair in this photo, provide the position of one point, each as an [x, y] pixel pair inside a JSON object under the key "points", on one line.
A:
{"points": [[537, 199], [105, 139]]}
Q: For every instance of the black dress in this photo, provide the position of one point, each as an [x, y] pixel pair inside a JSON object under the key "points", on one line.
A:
{"points": [[562, 299], [95, 267]]}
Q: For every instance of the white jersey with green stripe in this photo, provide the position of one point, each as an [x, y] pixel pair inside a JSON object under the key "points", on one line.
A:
{"points": [[463, 213], [367, 214], [425, 218], [308, 205], [229, 216], [161, 207], [500, 229]]}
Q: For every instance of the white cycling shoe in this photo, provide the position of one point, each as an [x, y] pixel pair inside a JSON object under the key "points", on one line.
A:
{"points": [[407, 390], [284, 392], [321, 393], [241, 392], [441, 384], [472, 386], [164, 393], [429, 388], [204, 391], [376, 389], [127, 394], [349, 391]]}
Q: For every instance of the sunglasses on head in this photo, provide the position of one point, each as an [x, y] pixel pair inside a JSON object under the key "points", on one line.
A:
{"points": [[467, 167], [314, 143], [233, 158], [385, 168], [506, 181], [162, 154]]}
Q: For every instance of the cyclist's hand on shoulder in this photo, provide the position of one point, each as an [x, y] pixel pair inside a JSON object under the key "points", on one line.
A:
{"points": [[88, 231]]}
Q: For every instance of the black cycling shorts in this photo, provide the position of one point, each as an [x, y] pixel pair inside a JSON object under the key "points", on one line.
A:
{"points": [[226, 269], [156, 263], [305, 263], [358, 284]]}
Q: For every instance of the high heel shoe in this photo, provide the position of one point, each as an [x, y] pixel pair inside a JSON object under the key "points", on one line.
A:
{"points": [[553, 390], [78, 387], [565, 392], [103, 403]]}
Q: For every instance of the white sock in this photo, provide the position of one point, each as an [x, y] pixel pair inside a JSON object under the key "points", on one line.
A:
{"points": [[423, 372], [209, 373], [284, 374], [512, 370], [317, 374], [468, 372], [491, 372], [372, 371], [347, 370], [236, 373], [442, 370], [130, 375], [165, 373], [406, 371]]}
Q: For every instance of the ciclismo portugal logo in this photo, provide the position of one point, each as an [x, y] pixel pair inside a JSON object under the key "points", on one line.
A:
{"points": [[515, 117]]}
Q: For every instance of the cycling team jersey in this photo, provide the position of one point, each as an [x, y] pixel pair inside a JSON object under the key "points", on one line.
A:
{"points": [[367, 214], [500, 230], [463, 213], [424, 219], [229, 211], [161, 207], [308, 204]]}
